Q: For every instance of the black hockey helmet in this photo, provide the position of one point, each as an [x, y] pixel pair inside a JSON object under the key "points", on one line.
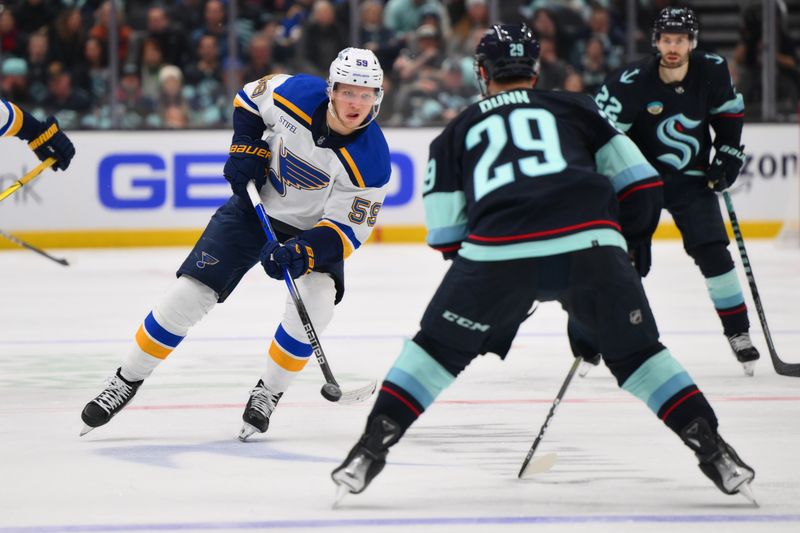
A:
{"points": [[506, 51], [676, 20]]}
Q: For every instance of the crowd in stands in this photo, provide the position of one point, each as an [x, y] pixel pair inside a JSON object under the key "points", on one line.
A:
{"points": [[176, 68]]}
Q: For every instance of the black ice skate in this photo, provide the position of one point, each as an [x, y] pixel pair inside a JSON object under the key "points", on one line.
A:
{"points": [[744, 351], [117, 394], [367, 458], [718, 460], [259, 408]]}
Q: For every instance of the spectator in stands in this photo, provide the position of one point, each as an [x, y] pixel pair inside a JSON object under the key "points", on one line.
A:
{"points": [[38, 60], [593, 65], [214, 24], [552, 69], [543, 24], [67, 36], [427, 51], [135, 107], [33, 15], [374, 36], [151, 61], [204, 89], [600, 29], [259, 59], [92, 74], [747, 57], [14, 80], [574, 83], [475, 17], [62, 95], [171, 95], [321, 40], [175, 118], [100, 29], [170, 36], [403, 16], [11, 38]]}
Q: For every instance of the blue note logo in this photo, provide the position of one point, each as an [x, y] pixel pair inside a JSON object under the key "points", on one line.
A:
{"points": [[672, 133], [295, 172], [206, 259]]}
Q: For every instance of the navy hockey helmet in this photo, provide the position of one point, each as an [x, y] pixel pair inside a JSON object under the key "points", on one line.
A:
{"points": [[506, 51], [676, 20]]}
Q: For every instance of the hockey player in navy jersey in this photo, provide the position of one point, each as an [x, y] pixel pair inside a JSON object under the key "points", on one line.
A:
{"points": [[45, 138], [537, 196], [666, 104], [322, 167]]}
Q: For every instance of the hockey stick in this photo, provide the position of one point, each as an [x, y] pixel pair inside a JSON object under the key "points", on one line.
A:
{"points": [[32, 248], [548, 460], [331, 391], [781, 367], [27, 177]]}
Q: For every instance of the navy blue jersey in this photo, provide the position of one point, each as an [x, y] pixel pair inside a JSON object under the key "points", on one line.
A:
{"points": [[669, 122], [530, 173]]}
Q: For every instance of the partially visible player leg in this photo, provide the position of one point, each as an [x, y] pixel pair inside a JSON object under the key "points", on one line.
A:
{"points": [[699, 219], [725, 291], [183, 305], [617, 310], [289, 351]]}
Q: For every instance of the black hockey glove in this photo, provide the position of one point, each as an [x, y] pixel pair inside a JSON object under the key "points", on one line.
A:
{"points": [[725, 167], [295, 254], [52, 142], [248, 159], [640, 256]]}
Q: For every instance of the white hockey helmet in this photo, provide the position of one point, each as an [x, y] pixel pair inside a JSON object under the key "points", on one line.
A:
{"points": [[357, 66]]}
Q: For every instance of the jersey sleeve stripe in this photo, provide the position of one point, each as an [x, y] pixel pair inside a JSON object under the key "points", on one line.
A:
{"points": [[352, 169], [349, 241], [734, 105], [13, 121], [623, 163], [631, 175], [632, 190], [446, 235], [289, 107], [241, 100]]}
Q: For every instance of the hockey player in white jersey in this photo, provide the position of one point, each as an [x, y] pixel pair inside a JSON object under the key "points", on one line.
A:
{"points": [[45, 138], [322, 166]]}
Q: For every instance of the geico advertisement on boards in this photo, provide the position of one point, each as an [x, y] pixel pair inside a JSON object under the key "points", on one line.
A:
{"points": [[173, 180]]}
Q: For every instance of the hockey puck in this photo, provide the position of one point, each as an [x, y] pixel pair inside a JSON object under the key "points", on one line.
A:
{"points": [[331, 392]]}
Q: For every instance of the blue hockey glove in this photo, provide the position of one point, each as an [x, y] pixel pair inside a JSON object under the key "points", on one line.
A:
{"points": [[295, 254], [52, 142], [640, 256], [725, 167], [248, 159]]}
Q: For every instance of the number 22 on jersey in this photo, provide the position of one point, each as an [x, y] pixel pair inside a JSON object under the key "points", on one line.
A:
{"points": [[491, 171]]}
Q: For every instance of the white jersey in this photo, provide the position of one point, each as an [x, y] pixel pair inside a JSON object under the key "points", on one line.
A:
{"points": [[10, 118], [312, 180]]}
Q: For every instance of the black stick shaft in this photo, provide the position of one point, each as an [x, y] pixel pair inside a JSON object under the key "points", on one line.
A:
{"points": [[32, 248]]}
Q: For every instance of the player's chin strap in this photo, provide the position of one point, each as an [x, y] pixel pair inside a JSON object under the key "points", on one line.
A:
{"points": [[375, 110]]}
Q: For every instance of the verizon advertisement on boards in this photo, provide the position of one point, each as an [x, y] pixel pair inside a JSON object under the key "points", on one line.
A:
{"points": [[172, 180]]}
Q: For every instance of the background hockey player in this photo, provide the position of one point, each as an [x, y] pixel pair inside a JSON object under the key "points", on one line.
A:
{"points": [[322, 167], [666, 104], [511, 190], [45, 138]]}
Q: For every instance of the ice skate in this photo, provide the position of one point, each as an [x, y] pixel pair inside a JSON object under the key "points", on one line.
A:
{"points": [[117, 394], [744, 351], [367, 458], [259, 408], [718, 460]]}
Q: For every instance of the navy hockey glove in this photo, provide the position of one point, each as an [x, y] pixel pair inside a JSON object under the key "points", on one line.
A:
{"points": [[248, 159], [725, 167], [295, 254], [640, 256], [52, 142]]}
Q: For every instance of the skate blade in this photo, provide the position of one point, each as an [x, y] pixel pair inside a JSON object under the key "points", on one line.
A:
{"points": [[540, 465], [246, 431], [747, 491], [341, 491], [86, 429], [749, 368]]}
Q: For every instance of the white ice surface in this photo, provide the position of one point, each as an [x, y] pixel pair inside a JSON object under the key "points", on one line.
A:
{"points": [[171, 461]]}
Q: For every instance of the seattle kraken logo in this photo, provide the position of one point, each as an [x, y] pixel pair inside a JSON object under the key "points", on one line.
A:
{"points": [[671, 133], [297, 173]]}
